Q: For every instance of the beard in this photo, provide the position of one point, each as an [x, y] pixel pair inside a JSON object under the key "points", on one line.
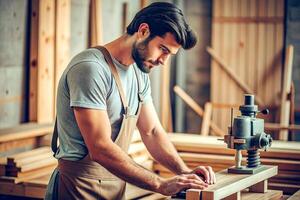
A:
{"points": [[140, 53]]}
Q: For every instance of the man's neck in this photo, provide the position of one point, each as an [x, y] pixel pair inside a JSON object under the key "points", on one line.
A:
{"points": [[121, 49]]}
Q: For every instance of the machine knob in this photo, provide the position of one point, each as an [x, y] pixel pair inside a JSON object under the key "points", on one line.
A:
{"points": [[265, 111]]}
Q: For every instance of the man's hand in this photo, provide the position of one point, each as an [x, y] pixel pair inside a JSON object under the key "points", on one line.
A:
{"points": [[206, 172], [178, 183]]}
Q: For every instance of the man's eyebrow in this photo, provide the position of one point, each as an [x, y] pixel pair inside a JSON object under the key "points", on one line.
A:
{"points": [[169, 51]]}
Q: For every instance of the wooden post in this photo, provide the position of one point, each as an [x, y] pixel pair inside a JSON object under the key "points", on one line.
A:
{"points": [[34, 35], [95, 23], [45, 73], [234, 196], [286, 89], [166, 113], [62, 40], [206, 118], [193, 194], [260, 187]]}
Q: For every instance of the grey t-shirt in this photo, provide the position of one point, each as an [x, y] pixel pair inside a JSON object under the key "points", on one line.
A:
{"points": [[88, 82]]}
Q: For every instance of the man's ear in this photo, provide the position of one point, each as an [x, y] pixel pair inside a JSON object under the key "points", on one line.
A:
{"points": [[143, 31]]}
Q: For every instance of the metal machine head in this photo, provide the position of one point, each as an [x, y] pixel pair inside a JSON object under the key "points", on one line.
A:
{"points": [[247, 133]]}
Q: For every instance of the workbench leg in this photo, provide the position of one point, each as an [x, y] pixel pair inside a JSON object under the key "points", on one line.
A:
{"points": [[261, 187], [193, 194], [235, 196]]}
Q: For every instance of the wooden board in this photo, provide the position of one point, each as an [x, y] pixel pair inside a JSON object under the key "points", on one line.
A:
{"points": [[247, 35], [228, 184], [62, 40], [46, 53], [23, 131]]}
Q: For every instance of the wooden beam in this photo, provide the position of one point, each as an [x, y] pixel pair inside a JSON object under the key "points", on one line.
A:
{"points": [[62, 40], [261, 187], [206, 119], [190, 102], [232, 75], [95, 23], [193, 194], [45, 88], [33, 82], [229, 184], [286, 89], [166, 111], [124, 15], [25, 131], [276, 127]]}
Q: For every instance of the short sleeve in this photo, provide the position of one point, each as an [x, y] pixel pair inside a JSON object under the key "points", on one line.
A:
{"points": [[146, 90], [88, 85]]}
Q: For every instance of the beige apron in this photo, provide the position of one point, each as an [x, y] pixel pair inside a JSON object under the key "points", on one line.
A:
{"points": [[86, 179]]}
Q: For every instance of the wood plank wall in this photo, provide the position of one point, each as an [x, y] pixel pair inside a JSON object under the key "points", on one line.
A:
{"points": [[248, 35]]}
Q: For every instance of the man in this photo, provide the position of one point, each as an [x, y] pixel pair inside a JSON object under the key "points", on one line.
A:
{"points": [[103, 94]]}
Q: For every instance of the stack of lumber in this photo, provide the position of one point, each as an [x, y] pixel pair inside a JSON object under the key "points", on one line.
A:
{"points": [[207, 150], [27, 173], [27, 165]]}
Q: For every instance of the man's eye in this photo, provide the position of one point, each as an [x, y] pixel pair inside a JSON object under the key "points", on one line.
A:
{"points": [[164, 50]]}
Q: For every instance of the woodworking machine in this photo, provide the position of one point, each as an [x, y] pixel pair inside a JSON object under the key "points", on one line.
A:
{"points": [[247, 133]]}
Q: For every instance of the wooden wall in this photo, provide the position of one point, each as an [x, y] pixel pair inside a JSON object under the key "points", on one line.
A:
{"points": [[248, 35], [13, 80]]}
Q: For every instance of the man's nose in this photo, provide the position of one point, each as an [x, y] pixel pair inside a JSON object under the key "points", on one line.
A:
{"points": [[163, 59]]}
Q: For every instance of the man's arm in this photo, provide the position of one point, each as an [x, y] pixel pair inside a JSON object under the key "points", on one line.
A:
{"points": [[96, 131], [160, 147]]}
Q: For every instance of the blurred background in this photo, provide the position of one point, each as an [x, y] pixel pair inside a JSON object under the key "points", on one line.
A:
{"points": [[245, 46]]}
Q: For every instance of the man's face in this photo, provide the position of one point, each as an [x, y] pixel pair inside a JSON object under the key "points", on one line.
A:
{"points": [[152, 52]]}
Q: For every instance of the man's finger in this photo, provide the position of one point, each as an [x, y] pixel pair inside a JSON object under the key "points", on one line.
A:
{"points": [[203, 171], [194, 176], [211, 175]]}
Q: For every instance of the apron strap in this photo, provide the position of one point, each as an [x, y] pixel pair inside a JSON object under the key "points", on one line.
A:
{"points": [[140, 96], [54, 138], [115, 74]]}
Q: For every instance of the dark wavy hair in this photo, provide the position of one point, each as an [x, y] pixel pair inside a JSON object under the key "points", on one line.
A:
{"points": [[163, 17]]}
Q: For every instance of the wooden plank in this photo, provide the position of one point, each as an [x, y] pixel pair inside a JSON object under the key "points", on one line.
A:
{"points": [[206, 119], [143, 3], [251, 19], [270, 194], [260, 187], [39, 164], [46, 47], [217, 38], [228, 184], [210, 145], [62, 40], [22, 155], [24, 131], [33, 60], [124, 16], [193, 194], [286, 89], [96, 23], [188, 100], [275, 127], [166, 112], [234, 196], [234, 77]]}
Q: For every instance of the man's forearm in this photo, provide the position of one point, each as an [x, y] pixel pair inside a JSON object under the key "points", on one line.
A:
{"points": [[121, 165], [164, 151]]}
